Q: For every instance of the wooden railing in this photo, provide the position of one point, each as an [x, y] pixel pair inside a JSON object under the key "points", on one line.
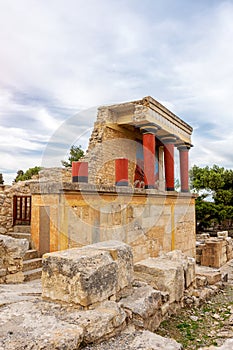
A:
{"points": [[21, 210]]}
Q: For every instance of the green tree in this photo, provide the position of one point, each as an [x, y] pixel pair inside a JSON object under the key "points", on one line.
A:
{"points": [[76, 153], [21, 176], [217, 182]]}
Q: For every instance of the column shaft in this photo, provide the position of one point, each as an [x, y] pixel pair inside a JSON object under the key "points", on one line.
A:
{"points": [[169, 166], [149, 159], [184, 169]]}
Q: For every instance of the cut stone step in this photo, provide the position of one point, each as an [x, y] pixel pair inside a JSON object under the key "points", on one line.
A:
{"points": [[31, 254], [22, 228], [21, 235], [32, 275], [32, 264]]}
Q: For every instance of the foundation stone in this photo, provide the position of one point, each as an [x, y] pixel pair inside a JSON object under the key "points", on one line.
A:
{"points": [[89, 275]]}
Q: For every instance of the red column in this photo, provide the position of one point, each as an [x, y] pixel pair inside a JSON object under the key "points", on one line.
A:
{"points": [[79, 172], [149, 159], [169, 166], [121, 172], [184, 168]]}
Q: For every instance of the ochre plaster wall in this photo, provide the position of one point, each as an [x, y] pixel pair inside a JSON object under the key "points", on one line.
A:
{"points": [[151, 223]]}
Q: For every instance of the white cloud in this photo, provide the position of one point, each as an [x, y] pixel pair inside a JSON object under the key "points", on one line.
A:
{"points": [[60, 57]]}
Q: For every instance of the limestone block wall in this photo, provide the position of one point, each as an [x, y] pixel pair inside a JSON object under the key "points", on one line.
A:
{"points": [[107, 143], [146, 220], [12, 251]]}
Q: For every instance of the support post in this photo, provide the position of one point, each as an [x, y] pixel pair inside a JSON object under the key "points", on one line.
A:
{"points": [[184, 168], [169, 163], [149, 159], [121, 172]]}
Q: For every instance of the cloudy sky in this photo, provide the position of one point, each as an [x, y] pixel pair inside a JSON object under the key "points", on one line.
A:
{"points": [[60, 59]]}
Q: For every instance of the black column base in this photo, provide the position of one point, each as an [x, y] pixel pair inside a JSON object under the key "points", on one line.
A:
{"points": [[170, 189], [80, 179]]}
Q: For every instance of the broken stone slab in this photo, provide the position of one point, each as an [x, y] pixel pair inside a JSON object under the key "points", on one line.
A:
{"points": [[144, 306], [213, 275], [101, 323], [81, 275], [20, 329], [151, 341], [122, 254], [162, 274]]}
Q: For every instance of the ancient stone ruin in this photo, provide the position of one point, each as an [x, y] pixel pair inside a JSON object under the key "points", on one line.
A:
{"points": [[118, 240]]}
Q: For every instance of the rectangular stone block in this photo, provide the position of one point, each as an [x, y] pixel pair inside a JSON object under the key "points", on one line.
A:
{"points": [[81, 276], [87, 275], [212, 275], [162, 274], [213, 254]]}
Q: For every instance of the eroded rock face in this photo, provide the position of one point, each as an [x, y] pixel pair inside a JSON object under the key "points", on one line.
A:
{"points": [[87, 275], [12, 251]]}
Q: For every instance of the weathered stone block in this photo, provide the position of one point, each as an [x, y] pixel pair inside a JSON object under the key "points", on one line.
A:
{"points": [[212, 253], [213, 275], [201, 281], [15, 248], [82, 276], [222, 234], [105, 321], [188, 263], [162, 274], [17, 277], [144, 305], [12, 251], [122, 254]]}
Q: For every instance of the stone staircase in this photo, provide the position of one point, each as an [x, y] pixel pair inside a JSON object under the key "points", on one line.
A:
{"points": [[32, 262]]}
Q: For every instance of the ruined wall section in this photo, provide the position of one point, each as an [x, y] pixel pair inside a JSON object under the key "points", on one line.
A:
{"points": [[6, 203], [22, 188], [107, 143]]}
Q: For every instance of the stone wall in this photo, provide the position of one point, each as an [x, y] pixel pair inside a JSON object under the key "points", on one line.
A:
{"points": [[12, 251], [107, 143], [6, 203], [79, 215], [22, 188]]}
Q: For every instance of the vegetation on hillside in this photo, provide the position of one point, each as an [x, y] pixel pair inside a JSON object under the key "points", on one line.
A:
{"points": [[27, 175], [214, 186]]}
